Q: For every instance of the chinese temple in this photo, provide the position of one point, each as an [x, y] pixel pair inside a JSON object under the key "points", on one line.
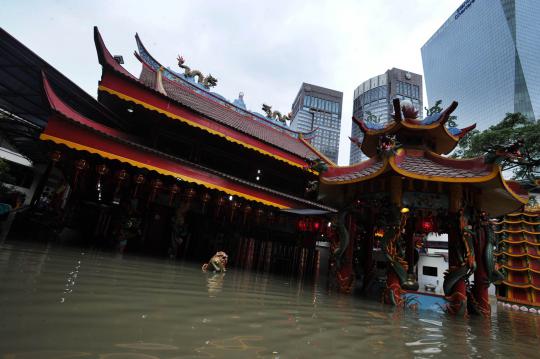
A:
{"points": [[518, 255], [407, 189], [162, 164]]}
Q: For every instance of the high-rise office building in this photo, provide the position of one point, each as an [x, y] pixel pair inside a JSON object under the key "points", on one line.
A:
{"points": [[373, 100], [486, 57], [319, 107]]}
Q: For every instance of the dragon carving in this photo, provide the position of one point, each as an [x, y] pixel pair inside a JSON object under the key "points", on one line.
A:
{"points": [[463, 270], [276, 114], [208, 81], [395, 253]]}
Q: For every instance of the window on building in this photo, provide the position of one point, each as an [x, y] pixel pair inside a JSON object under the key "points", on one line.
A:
{"points": [[429, 271]]}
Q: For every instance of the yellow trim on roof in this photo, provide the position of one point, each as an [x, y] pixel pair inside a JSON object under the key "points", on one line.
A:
{"points": [[517, 222], [523, 214], [515, 231], [521, 242], [134, 163], [515, 255], [522, 269], [197, 125], [523, 286]]}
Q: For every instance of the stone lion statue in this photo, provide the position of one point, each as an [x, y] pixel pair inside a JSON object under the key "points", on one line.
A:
{"points": [[217, 263]]}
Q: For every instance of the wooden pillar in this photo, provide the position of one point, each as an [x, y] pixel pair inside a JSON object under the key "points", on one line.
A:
{"points": [[481, 280], [396, 190], [457, 296]]}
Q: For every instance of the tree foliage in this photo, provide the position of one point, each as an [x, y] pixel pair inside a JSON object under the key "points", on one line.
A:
{"points": [[514, 127], [436, 108], [373, 118]]}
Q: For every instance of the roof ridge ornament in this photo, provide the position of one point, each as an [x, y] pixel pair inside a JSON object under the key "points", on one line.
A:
{"points": [[276, 115], [208, 81]]}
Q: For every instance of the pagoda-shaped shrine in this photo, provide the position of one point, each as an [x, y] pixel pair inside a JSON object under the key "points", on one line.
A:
{"points": [[407, 189], [518, 256]]}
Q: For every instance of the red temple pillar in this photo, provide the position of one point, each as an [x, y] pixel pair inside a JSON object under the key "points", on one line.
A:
{"points": [[457, 295], [481, 282], [344, 272]]}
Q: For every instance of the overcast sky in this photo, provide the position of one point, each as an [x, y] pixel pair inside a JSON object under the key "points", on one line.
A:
{"points": [[265, 49]]}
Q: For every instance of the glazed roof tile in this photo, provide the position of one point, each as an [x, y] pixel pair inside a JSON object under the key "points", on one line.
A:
{"points": [[227, 116], [207, 104], [354, 173], [425, 166]]}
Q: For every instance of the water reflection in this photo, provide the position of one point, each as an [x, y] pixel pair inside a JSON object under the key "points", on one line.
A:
{"points": [[144, 308]]}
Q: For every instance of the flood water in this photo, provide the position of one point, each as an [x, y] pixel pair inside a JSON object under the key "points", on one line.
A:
{"points": [[58, 302]]}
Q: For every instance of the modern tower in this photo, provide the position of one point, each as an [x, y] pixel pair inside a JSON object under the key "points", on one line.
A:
{"points": [[373, 100], [486, 56], [319, 107]]}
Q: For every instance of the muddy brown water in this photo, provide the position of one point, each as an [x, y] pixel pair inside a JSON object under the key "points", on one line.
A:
{"points": [[58, 302]]}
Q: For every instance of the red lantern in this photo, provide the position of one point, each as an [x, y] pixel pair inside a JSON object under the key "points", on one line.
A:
{"points": [[119, 176], [102, 170], [56, 156], [235, 205], [174, 189], [427, 225], [316, 225], [258, 215], [219, 203], [247, 211], [190, 193], [205, 199], [80, 165], [139, 180], [301, 225], [156, 185]]}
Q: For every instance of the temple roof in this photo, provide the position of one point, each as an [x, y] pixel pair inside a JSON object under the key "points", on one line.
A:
{"points": [[499, 196], [206, 110], [68, 127], [431, 129]]}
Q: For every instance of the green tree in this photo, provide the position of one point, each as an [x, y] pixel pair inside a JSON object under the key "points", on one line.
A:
{"points": [[372, 118], [436, 108], [514, 127]]}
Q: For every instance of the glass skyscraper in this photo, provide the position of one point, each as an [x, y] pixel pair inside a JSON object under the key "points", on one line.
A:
{"points": [[319, 107], [373, 100], [486, 56]]}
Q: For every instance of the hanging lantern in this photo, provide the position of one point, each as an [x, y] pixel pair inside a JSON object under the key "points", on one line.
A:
{"points": [[173, 191], [247, 212], [205, 198], [219, 204], [101, 170], [80, 165], [190, 194], [271, 217], [156, 185], [234, 206], [56, 156], [258, 214], [120, 176], [139, 180], [303, 224], [427, 225], [316, 225], [379, 233]]}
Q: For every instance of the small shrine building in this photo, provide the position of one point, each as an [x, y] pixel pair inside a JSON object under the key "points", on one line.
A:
{"points": [[407, 189]]}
